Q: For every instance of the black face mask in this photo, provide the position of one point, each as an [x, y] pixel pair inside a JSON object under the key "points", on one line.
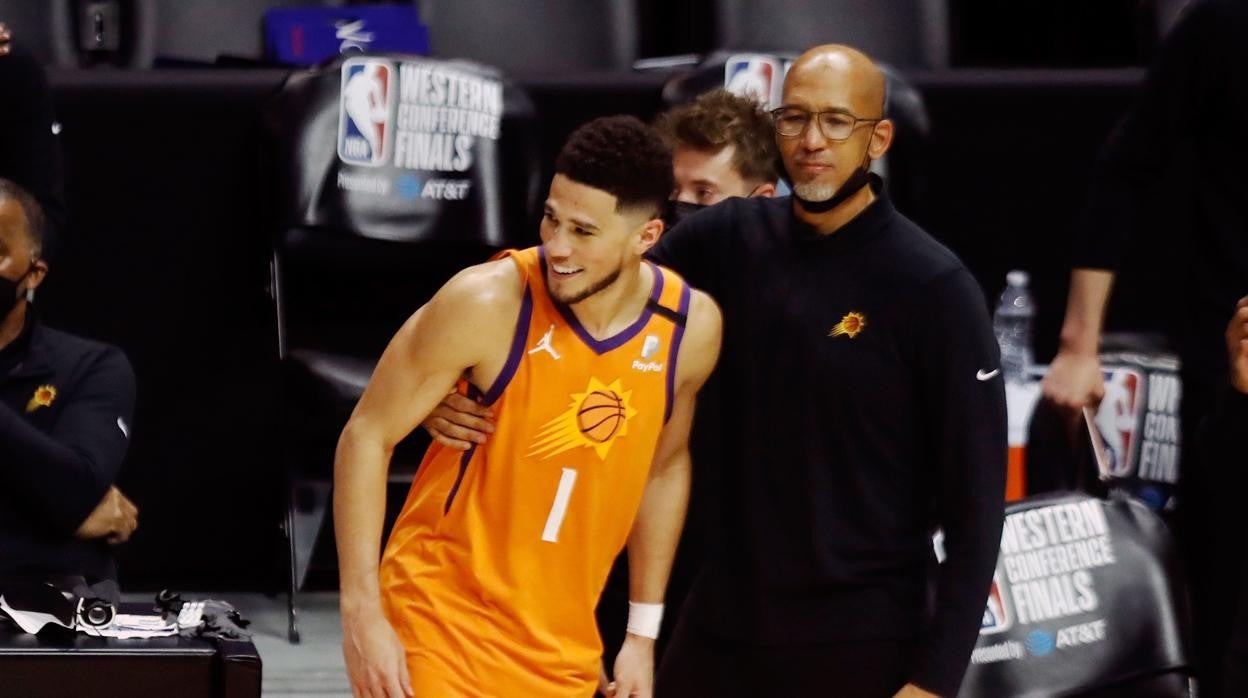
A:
{"points": [[677, 211], [856, 181], [8, 293]]}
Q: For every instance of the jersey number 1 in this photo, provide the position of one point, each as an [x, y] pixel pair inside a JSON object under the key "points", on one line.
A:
{"points": [[559, 509]]}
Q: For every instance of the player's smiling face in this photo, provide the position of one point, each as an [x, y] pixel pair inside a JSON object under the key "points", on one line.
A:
{"points": [[587, 241]]}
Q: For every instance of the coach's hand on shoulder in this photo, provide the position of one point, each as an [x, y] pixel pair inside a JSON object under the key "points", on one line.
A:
{"points": [[634, 668], [376, 662], [113, 519], [459, 422], [912, 691]]}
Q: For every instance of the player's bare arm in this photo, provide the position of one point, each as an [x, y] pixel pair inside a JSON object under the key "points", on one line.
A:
{"points": [[464, 330], [656, 531]]}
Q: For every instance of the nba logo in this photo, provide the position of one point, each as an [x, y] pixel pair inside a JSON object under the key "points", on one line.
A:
{"points": [[753, 76], [996, 613], [367, 96], [1118, 418]]}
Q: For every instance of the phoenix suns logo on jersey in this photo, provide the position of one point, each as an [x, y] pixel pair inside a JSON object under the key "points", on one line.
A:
{"points": [[594, 419]]}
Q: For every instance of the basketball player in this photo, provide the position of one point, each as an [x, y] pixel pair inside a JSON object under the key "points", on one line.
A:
{"points": [[590, 358]]}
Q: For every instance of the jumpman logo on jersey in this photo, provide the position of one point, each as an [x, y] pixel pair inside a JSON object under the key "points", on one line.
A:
{"points": [[545, 345]]}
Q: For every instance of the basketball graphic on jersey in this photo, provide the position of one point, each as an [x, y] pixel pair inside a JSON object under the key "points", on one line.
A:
{"points": [[593, 419], [600, 415]]}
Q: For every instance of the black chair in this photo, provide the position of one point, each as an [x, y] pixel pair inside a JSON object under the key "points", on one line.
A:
{"points": [[362, 241], [550, 36], [203, 31], [140, 34], [76, 33], [1089, 599], [903, 33]]}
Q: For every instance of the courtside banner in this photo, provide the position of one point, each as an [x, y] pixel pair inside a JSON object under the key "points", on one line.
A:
{"points": [[1087, 594], [404, 148], [1136, 431]]}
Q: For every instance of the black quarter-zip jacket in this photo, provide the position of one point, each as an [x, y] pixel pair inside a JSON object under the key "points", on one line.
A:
{"points": [[66, 406], [857, 406]]}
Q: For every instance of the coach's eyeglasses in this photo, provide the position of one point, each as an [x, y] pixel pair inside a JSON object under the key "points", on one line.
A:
{"points": [[835, 125]]}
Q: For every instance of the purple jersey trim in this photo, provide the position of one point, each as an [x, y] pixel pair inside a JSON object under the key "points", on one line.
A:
{"points": [[518, 340], [459, 479], [619, 339]]}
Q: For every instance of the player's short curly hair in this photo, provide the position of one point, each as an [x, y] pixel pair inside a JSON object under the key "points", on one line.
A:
{"points": [[719, 118], [622, 156]]}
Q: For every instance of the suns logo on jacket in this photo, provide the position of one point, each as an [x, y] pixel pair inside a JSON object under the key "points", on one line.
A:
{"points": [[850, 325], [594, 419], [43, 397]]}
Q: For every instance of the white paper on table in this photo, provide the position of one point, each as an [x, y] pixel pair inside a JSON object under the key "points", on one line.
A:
{"points": [[29, 621], [127, 626]]}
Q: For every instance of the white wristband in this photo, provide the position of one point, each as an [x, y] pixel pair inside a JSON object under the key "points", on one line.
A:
{"points": [[644, 619]]}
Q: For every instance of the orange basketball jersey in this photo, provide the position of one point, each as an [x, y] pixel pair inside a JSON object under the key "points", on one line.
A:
{"points": [[496, 562]]}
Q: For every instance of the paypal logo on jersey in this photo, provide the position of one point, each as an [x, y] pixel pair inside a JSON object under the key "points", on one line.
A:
{"points": [[650, 346], [365, 105]]}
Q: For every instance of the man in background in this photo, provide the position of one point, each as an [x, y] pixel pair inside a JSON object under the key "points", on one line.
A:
{"points": [[1179, 149], [722, 146], [1221, 449], [66, 404]]}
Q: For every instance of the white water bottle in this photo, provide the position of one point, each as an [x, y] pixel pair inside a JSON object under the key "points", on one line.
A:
{"points": [[1012, 325]]}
